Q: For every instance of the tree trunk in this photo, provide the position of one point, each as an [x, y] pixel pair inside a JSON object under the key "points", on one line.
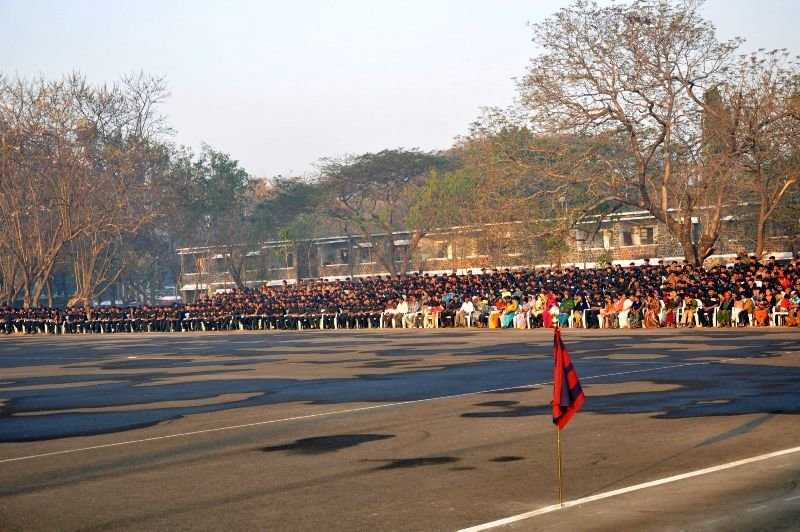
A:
{"points": [[413, 243], [50, 293], [236, 271], [385, 254], [27, 290], [760, 237], [45, 276]]}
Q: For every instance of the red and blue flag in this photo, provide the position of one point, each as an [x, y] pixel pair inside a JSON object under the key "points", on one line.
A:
{"points": [[567, 392]]}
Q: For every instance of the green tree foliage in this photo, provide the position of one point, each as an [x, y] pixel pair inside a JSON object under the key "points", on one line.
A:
{"points": [[443, 200], [370, 195], [519, 184], [290, 201], [205, 202]]}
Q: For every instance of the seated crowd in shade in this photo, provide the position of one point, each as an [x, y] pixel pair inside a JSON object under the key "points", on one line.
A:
{"points": [[745, 292]]}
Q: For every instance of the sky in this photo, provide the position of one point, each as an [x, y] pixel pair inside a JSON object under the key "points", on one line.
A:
{"points": [[280, 85]]}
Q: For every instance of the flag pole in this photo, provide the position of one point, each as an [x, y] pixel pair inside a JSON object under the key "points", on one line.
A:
{"points": [[567, 398], [558, 453], [560, 476]]}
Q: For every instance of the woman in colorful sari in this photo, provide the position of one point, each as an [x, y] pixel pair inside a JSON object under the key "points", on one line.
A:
{"points": [[521, 317], [565, 309], [652, 312], [497, 312], [671, 305], [605, 313], [507, 318], [617, 306], [539, 310], [761, 310], [548, 313], [725, 310]]}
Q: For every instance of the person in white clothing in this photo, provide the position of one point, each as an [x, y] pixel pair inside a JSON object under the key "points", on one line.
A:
{"points": [[466, 310], [624, 323], [400, 312]]}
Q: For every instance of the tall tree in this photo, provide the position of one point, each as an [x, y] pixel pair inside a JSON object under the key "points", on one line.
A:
{"points": [[40, 191], [291, 210], [121, 134], [371, 194], [630, 79], [227, 193], [67, 152], [763, 94], [205, 201], [519, 188]]}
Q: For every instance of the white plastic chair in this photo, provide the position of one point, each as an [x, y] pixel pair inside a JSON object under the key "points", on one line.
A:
{"points": [[410, 317], [778, 316], [430, 320]]}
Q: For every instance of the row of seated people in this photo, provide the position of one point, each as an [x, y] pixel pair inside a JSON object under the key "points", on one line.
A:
{"points": [[750, 293], [605, 311], [620, 312], [508, 311], [116, 320]]}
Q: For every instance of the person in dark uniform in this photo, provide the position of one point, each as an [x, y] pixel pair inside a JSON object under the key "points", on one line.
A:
{"points": [[596, 304], [6, 320], [710, 302]]}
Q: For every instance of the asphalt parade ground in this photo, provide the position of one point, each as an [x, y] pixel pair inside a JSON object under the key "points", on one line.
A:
{"points": [[399, 430]]}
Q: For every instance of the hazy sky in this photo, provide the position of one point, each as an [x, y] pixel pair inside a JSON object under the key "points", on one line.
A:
{"points": [[279, 85]]}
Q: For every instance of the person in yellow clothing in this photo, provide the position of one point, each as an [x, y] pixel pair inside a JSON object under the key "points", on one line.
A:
{"points": [[507, 318], [690, 307]]}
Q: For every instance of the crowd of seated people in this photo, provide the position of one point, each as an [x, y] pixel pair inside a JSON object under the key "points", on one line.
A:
{"points": [[745, 292]]}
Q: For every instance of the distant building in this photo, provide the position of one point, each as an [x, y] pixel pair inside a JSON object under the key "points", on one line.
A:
{"points": [[625, 237]]}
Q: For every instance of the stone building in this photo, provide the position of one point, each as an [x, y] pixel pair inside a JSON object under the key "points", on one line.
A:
{"points": [[625, 237]]}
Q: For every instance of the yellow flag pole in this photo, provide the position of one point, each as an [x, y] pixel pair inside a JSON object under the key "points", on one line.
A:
{"points": [[560, 476], [558, 451]]}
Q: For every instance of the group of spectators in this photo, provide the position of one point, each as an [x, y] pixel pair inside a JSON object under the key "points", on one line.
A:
{"points": [[745, 292]]}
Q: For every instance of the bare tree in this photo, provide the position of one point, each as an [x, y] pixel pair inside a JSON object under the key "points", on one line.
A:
{"points": [[764, 94], [72, 156], [629, 82], [41, 199], [120, 135]]}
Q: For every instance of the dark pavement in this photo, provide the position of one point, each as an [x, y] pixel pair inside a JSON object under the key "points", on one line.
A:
{"points": [[395, 430]]}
